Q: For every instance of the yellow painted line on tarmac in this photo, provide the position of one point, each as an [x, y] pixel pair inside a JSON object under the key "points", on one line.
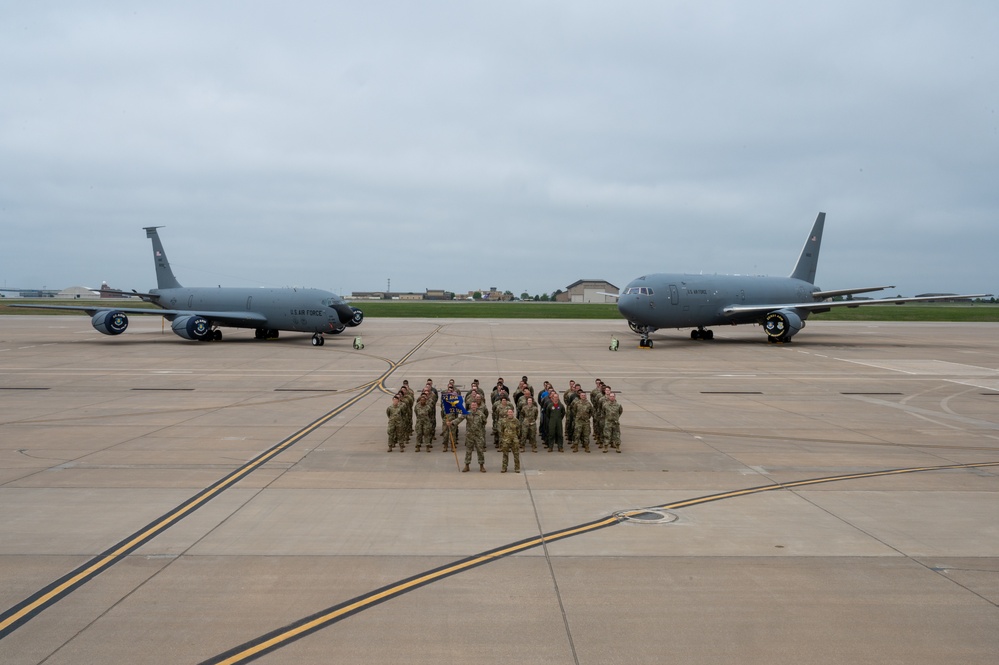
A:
{"points": [[22, 612], [283, 636]]}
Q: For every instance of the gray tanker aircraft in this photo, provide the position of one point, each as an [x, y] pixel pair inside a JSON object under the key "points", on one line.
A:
{"points": [[779, 304], [196, 313]]}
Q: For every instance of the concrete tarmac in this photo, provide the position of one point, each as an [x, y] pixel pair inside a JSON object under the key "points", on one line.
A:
{"points": [[166, 501]]}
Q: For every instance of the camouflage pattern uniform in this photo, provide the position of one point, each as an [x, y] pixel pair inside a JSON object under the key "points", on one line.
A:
{"points": [[612, 423], [581, 410], [598, 428], [475, 436], [499, 409], [408, 401], [529, 426], [424, 423], [433, 398], [510, 438], [394, 413]]}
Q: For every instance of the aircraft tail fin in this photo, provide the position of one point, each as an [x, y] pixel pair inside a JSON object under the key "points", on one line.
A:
{"points": [[164, 275], [808, 260]]}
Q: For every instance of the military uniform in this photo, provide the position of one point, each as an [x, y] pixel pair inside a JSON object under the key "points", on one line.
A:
{"points": [[475, 436], [407, 403], [581, 410], [529, 426], [555, 434], [424, 424], [509, 429], [394, 414], [612, 424]]}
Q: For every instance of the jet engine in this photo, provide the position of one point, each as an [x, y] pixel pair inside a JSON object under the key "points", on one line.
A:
{"points": [[356, 318], [782, 324], [192, 327], [109, 322]]}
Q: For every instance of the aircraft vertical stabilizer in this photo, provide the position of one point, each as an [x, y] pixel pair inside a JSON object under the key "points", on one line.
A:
{"points": [[164, 275], [808, 260]]}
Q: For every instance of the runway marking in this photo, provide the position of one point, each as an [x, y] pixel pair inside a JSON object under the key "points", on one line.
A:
{"points": [[281, 637], [24, 611]]}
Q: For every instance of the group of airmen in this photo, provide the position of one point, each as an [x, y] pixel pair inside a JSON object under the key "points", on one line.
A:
{"points": [[518, 419]]}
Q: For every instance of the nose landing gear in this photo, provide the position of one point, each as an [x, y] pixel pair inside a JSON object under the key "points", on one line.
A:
{"points": [[318, 339]]}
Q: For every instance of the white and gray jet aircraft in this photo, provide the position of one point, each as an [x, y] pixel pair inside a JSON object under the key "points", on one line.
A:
{"points": [[196, 313], [779, 304]]}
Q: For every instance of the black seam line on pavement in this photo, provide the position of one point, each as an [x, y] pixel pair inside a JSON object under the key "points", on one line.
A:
{"points": [[24, 611], [281, 637]]}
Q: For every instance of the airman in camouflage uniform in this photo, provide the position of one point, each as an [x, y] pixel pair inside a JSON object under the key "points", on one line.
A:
{"points": [[394, 413], [433, 397], [568, 397], [529, 425], [595, 395], [475, 435], [424, 411], [510, 438], [408, 401], [500, 406], [612, 422], [582, 410]]}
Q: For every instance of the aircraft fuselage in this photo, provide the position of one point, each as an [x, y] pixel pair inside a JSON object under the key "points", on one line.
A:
{"points": [[675, 300], [299, 310]]}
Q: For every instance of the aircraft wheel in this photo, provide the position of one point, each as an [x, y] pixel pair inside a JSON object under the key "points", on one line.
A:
{"points": [[317, 340], [218, 335], [650, 343]]}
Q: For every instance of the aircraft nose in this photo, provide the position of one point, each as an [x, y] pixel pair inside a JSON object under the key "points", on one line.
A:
{"points": [[627, 304]]}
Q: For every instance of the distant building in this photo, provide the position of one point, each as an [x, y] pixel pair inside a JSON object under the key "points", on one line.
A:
{"points": [[588, 291], [78, 293], [438, 294]]}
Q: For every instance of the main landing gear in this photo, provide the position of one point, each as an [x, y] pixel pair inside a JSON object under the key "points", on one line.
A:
{"points": [[701, 333]]}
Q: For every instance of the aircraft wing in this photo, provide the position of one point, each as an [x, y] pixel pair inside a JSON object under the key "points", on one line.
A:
{"points": [[825, 305], [223, 318]]}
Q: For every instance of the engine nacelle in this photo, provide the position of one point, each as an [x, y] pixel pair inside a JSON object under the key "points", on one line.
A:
{"points": [[781, 325], [356, 318], [192, 327], [109, 322]]}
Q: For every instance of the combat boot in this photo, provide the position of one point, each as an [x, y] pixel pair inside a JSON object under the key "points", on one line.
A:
{"points": [[465, 469], [482, 468]]}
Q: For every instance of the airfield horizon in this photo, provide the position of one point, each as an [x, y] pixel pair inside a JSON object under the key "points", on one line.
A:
{"points": [[956, 312]]}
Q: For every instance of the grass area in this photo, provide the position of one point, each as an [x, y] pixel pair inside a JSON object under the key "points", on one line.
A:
{"points": [[549, 310]]}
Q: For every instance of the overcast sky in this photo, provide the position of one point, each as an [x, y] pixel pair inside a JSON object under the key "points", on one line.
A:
{"points": [[521, 145]]}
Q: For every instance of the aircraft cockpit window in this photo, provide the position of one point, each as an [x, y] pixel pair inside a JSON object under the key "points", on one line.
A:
{"points": [[639, 291]]}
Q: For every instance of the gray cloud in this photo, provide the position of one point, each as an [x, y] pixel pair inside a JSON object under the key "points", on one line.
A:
{"points": [[522, 146]]}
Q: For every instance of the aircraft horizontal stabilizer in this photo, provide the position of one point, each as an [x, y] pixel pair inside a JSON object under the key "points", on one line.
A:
{"points": [[819, 295]]}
